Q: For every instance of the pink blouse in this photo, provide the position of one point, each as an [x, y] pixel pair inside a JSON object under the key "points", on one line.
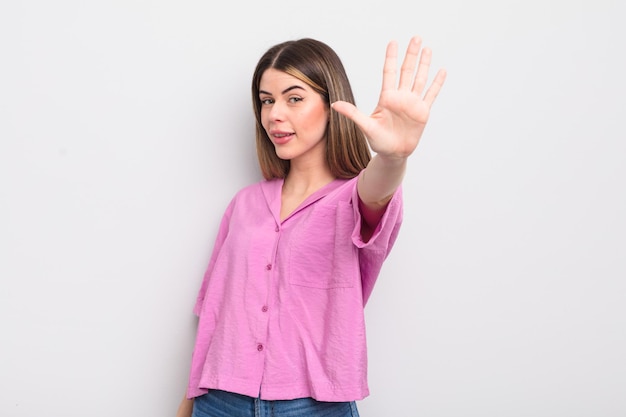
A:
{"points": [[281, 304]]}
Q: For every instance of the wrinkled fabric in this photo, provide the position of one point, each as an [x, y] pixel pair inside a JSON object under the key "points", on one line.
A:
{"points": [[281, 303]]}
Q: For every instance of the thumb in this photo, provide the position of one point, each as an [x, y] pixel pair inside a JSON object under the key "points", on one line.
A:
{"points": [[350, 111]]}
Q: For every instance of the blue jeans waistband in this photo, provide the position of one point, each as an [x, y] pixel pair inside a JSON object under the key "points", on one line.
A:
{"points": [[218, 403]]}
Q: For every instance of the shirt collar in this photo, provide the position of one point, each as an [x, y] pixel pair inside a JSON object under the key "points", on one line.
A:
{"points": [[272, 192]]}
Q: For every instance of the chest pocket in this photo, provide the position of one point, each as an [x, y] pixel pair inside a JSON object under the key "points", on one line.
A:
{"points": [[321, 252]]}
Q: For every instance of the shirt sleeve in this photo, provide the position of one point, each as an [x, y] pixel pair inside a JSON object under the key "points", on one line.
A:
{"points": [[217, 246], [373, 253]]}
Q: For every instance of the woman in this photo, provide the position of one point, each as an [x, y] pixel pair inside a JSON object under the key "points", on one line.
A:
{"points": [[281, 326]]}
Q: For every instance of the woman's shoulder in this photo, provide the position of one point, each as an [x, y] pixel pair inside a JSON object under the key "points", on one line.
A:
{"points": [[258, 189]]}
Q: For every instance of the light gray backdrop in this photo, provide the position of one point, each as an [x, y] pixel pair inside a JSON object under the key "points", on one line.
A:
{"points": [[126, 127]]}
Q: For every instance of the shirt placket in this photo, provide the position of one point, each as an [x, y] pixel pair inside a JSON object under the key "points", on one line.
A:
{"points": [[264, 307]]}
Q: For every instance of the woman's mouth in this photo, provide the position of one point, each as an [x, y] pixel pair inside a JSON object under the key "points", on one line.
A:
{"points": [[280, 138]]}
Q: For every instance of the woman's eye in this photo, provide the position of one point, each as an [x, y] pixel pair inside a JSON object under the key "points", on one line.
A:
{"points": [[266, 101], [295, 99]]}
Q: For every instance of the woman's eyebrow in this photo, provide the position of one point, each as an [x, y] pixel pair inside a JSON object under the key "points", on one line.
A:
{"points": [[285, 91]]}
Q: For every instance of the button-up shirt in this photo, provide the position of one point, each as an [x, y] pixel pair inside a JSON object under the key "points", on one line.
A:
{"points": [[281, 303]]}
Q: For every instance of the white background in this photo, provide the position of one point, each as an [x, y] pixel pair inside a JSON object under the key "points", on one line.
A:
{"points": [[126, 127]]}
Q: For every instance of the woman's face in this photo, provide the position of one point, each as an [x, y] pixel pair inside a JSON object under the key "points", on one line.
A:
{"points": [[294, 116]]}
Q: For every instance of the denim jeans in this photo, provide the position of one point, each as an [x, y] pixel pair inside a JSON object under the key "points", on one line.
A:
{"points": [[225, 404]]}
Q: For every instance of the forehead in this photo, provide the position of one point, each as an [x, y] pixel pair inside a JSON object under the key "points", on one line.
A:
{"points": [[274, 81]]}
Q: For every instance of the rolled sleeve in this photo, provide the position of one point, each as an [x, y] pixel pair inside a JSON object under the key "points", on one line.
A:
{"points": [[373, 253]]}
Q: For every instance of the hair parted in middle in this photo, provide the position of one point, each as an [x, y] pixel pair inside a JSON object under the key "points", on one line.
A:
{"points": [[316, 64]]}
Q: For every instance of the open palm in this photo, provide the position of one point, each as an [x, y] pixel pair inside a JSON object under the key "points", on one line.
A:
{"points": [[395, 126]]}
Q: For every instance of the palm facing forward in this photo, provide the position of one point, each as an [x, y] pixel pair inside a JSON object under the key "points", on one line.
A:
{"points": [[395, 127]]}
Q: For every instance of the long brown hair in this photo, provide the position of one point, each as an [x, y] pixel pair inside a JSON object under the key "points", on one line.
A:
{"points": [[316, 64]]}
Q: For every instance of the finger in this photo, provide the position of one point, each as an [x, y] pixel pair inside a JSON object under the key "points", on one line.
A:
{"points": [[435, 87], [422, 71], [408, 65], [350, 111], [389, 69]]}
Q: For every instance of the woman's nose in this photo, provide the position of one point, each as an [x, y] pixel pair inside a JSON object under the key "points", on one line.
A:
{"points": [[276, 111]]}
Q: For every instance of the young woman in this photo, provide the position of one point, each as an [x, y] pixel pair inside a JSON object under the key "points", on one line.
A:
{"points": [[281, 324]]}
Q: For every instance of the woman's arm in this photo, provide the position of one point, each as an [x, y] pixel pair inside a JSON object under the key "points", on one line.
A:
{"points": [[185, 408], [395, 127]]}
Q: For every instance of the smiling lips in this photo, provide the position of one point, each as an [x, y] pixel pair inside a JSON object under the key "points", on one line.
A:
{"points": [[280, 138]]}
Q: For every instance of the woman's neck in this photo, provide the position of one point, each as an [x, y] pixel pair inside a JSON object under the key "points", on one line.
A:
{"points": [[299, 185], [306, 180]]}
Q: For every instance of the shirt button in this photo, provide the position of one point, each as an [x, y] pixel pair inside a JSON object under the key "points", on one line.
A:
{"points": [[264, 309], [268, 267], [259, 347]]}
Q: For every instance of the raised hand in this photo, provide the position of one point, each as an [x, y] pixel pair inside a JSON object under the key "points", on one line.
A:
{"points": [[395, 127]]}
